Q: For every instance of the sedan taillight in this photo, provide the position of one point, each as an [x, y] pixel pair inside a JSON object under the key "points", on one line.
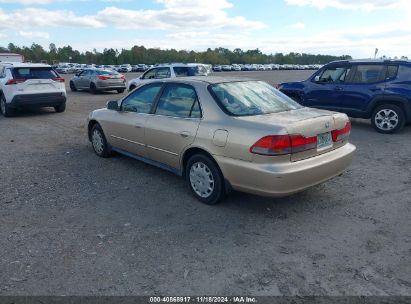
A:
{"points": [[341, 134], [103, 77], [58, 79], [283, 144]]}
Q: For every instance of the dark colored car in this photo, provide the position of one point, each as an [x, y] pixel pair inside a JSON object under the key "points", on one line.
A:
{"points": [[379, 90]]}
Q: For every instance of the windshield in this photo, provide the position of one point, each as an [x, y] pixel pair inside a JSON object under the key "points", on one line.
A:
{"points": [[245, 98]]}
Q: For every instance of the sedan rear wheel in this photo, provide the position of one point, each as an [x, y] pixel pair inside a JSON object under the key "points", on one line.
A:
{"points": [[388, 119], [73, 86], [205, 179], [93, 88]]}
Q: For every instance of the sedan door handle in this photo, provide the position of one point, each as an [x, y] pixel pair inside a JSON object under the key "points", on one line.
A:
{"points": [[138, 126], [338, 88], [185, 134]]}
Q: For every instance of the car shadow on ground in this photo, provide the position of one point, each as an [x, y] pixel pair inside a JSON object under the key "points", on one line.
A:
{"points": [[29, 112], [240, 201], [84, 92]]}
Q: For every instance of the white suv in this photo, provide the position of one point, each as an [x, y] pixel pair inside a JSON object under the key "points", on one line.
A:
{"points": [[30, 85], [168, 71]]}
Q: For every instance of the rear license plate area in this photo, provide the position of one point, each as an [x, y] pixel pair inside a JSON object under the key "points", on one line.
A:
{"points": [[324, 141]]}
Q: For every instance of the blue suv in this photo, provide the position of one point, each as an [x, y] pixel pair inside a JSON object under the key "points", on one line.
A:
{"points": [[379, 90]]}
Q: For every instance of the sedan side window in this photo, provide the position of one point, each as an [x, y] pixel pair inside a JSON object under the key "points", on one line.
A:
{"points": [[334, 74], [179, 100], [141, 100]]}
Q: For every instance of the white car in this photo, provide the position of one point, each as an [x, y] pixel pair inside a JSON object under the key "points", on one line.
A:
{"points": [[235, 67], [30, 85], [125, 68], [168, 71]]}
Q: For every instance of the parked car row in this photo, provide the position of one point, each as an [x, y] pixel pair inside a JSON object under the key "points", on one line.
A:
{"points": [[73, 68], [264, 67]]}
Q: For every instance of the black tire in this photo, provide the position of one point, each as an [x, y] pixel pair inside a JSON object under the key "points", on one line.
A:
{"points": [[388, 119], [60, 108], [73, 86], [120, 91], [5, 108], [132, 87], [93, 88], [99, 142], [205, 165]]}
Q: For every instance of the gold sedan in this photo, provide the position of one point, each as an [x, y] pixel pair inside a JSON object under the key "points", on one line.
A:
{"points": [[222, 134]]}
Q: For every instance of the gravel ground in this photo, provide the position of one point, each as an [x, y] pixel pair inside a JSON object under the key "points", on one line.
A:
{"points": [[76, 224]]}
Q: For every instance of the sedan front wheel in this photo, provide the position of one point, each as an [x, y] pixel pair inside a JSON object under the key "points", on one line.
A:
{"points": [[99, 142]]}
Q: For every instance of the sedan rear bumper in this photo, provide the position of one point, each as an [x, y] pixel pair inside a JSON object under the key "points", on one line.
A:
{"points": [[282, 179], [101, 85]]}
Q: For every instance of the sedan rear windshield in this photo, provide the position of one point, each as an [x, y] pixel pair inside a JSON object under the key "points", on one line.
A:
{"points": [[34, 73], [246, 98]]}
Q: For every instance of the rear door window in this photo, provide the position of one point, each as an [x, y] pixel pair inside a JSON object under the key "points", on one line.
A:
{"points": [[368, 73], [181, 71], [34, 73], [179, 100]]}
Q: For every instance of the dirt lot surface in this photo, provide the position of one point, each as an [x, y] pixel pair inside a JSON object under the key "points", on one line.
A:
{"points": [[72, 223]]}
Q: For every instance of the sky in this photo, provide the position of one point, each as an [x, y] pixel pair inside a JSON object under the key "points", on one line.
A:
{"points": [[334, 27]]}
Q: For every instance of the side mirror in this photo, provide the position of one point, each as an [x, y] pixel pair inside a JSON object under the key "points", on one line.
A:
{"points": [[112, 105], [317, 78]]}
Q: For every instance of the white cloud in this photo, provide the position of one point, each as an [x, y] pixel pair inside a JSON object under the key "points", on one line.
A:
{"points": [[297, 26], [176, 15], [366, 5], [34, 17], [34, 35]]}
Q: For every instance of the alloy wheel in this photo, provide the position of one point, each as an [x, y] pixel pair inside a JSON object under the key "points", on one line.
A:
{"points": [[386, 119]]}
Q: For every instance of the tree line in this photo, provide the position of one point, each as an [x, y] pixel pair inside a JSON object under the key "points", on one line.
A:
{"points": [[140, 54]]}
